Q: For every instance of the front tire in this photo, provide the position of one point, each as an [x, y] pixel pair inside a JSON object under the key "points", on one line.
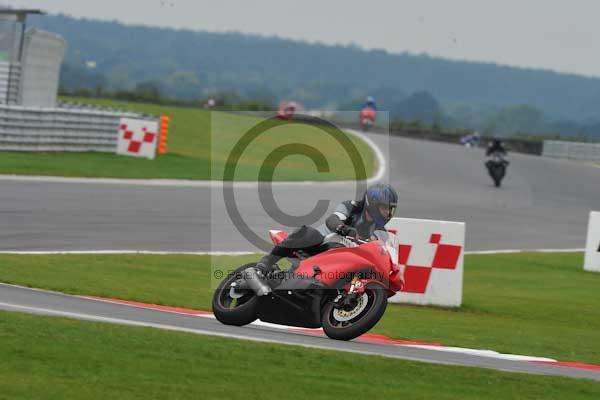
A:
{"points": [[234, 311], [347, 325], [499, 175]]}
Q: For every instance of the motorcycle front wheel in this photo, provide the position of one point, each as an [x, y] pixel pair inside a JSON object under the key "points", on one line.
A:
{"points": [[231, 307], [498, 175], [342, 324]]}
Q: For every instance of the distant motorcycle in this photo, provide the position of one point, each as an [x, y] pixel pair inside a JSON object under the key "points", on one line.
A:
{"points": [[471, 140], [287, 110], [496, 167], [367, 118], [344, 288]]}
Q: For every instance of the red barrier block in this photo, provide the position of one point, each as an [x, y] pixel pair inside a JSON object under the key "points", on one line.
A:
{"points": [[446, 256]]}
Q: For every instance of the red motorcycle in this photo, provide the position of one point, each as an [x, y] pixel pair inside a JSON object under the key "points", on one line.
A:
{"points": [[343, 289], [367, 118], [287, 110]]}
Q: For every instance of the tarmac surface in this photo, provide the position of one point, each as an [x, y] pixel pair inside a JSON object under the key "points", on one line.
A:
{"points": [[544, 203]]}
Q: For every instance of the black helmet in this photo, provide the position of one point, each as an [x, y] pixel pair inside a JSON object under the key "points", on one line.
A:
{"points": [[381, 201]]}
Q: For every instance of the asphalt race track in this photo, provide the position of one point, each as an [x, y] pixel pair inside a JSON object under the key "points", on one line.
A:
{"points": [[544, 203], [54, 304]]}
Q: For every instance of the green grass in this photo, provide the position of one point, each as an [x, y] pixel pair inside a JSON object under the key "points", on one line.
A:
{"points": [[55, 358], [199, 146], [532, 304]]}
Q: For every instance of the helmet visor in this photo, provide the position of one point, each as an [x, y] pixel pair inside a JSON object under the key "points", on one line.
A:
{"points": [[387, 211]]}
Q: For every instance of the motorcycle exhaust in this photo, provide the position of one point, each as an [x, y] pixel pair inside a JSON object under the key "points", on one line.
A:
{"points": [[256, 281]]}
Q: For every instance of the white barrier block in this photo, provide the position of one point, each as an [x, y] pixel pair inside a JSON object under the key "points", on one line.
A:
{"points": [[433, 254], [592, 248], [138, 138]]}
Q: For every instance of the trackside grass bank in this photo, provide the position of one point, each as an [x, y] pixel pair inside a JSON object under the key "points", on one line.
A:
{"points": [[199, 145], [64, 359], [532, 304]]}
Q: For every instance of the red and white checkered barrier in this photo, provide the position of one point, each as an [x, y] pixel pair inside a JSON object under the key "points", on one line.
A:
{"points": [[138, 138], [432, 253]]}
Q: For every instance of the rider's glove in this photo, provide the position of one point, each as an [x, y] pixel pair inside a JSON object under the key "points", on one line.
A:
{"points": [[346, 230]]}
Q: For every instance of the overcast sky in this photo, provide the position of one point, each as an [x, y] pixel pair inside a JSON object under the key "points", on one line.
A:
{"points": [[560, 35]]}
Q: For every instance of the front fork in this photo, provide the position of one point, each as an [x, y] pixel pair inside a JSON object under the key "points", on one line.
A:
{"points": [[349, 300]]}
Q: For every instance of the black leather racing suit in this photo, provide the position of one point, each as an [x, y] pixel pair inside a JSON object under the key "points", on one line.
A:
{"points": [[348, 219], [495, 147]]}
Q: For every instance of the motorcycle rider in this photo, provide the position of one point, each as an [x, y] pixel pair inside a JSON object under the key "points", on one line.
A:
{"points": [[357, 219], [495, 146], [370, 103]]}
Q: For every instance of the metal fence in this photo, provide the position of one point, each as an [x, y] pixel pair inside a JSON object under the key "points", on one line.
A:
{"points": [[72, 129], [572, 150]]}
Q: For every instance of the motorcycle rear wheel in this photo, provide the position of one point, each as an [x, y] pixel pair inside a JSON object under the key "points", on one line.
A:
{"points": [[497, 174], [367, 315], [234, 311]]}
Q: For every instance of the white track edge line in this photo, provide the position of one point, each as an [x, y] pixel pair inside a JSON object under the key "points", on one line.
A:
{"points": [[381, 162], [483, 252], [449, 349], [381, 170], [168, 327], [94, 318]]}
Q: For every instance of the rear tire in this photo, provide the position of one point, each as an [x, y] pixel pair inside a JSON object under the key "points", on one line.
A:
{"points": [[244, 311], [363, 322], [497, 173]]}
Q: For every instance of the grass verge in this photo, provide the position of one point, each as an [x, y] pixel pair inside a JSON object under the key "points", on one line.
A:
{"points": [[199, 145], [532, 304], [58, 358]]}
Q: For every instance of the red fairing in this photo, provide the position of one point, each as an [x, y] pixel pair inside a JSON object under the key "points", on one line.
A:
{"points": [[394, 280], [368, 113], [278, 236], [372, 259], [287, 110]]}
